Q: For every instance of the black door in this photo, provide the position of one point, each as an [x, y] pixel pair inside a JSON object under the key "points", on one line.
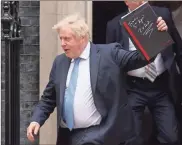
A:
{"points": [[103, 11]]}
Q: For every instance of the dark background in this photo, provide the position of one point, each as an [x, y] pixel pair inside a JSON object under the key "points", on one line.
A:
{"points": [[103, 11]]}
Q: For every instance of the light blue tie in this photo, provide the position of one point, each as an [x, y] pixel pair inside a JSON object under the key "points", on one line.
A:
{"points": [[69, 96]]}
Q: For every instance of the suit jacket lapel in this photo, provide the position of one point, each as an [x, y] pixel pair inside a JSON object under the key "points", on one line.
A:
{"points": [[125, 36], [125, 39], [64, 67], [94, 66]]}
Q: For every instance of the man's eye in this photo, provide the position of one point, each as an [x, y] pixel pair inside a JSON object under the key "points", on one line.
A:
{"points": [[67, 39]]}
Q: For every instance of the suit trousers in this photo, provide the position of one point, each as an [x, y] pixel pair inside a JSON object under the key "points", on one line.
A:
{"points": [[156, 97], [65, 137]]}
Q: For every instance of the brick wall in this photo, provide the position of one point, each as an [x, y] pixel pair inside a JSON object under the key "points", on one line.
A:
{"points": [[29, 66], [2, 93]]}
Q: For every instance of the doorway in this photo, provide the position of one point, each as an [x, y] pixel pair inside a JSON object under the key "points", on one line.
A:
{"points": [[103, 11]]}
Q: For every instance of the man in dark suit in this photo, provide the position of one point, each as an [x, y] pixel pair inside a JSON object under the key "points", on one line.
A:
{"points": [[87, 88], [161, 93]]}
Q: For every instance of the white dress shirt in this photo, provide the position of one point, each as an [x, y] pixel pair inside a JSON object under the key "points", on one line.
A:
{"points": [[85, 112], [159, 64]]}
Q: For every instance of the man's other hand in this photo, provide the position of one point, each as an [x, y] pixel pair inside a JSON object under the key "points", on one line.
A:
{"points": [[161, 24], [32, 130]]}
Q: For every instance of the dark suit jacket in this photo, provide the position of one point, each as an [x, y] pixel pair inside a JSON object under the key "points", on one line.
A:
{"points": [[171, 56], [107, 63]]}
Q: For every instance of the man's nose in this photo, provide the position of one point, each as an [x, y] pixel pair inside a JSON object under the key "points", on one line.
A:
{"points": [[63, 42]]}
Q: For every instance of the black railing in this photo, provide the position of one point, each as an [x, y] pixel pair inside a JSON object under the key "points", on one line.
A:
{"points": [[10, 33]]}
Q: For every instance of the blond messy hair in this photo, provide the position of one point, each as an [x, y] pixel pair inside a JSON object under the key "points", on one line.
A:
{"points": [[76, 23]]}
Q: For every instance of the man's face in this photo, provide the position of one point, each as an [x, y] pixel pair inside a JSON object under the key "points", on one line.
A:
{"points": [[71, 44], [133, 4]]}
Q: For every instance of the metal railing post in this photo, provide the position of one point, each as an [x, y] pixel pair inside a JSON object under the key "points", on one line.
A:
{"points": [[11, 35]]}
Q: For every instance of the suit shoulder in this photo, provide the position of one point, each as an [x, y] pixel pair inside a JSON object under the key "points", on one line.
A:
{"points": [[159, 10], [116, 19], [163, 12], [59, 57], [109, 46]]}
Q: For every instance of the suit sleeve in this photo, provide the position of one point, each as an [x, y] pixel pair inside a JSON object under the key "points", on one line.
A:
{"points": [[127, 60], [110, 33], [47, 102], [177, 46]]}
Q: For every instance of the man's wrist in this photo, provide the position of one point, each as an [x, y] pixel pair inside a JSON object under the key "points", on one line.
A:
{"points": [[35, 122]]}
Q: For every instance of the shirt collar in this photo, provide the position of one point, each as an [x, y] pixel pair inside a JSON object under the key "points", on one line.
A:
{"points": [[86, 52]]}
